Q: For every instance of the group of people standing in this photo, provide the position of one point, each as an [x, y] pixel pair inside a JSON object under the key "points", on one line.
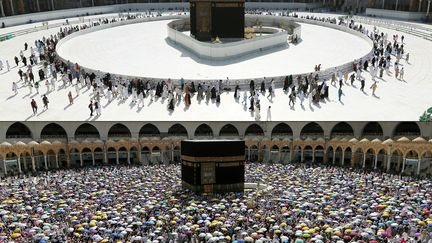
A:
{"points": [[312, 87]]}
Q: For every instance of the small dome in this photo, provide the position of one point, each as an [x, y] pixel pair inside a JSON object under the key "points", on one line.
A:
{"points": [[33, 143], [403, 139], [353, 140], [419, 140], [344, 140], [6, 144], [57, 142], [308, 139], [45, 143], [388, 141], [320, 140], [287, 140], [98, 141], [86, 141], [376, 140], [19, 143], [364, 140]]}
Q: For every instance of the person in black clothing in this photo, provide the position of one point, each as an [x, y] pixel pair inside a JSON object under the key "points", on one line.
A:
{"points": [[252, 107], [263, 87], [352, 78], [286, 85], [41, 74], [45, 102], [31, 76], [213, 93], [20, 73], [24, 60], [252, 85], [362, 85], [16, 61], [25, 46], [237, 88], [90, 106]]}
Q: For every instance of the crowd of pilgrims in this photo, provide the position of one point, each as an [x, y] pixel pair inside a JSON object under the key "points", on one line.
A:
{"points": [[299, 87], [147, 204]]}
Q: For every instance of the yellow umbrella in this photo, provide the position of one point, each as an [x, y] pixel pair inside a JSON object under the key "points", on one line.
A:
{"points": [[15, 235]]}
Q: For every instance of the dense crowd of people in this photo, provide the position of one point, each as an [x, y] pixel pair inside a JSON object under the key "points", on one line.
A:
{"points": [[147, 204], [385, 60]]}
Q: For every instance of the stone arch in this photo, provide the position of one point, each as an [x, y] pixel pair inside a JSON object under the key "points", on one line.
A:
{"points": [[178, 130], [18, 130], [282, 130], [407, 129], [149, 130], [123, 155], [347, 156], [372, 130], [229, 130], [145, 155], [86, 130], [119, 130], [274, 154], [369, 159], [87, 156], [99, 156], [254, 130], [381, 163], [285, 154], [312, 130], [254, 153], [111, 155], [203, 130], [53, 130], [318, 154], [342, 129]]}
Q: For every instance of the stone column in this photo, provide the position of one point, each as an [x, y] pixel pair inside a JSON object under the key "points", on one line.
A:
{"points": [[364, 160], [428, 8], [93, 158], [2, 9], [19, 164], [81, 159], [383, 4], [376, 161], [46, 162], [397, 3], [92, 3], [325, 159], [420, 5], [302, 155], [343, 158], [105, 155], [279, 156], [52, 5], [389, 157], [334, 156], [313, 155], [128, 157], [4, 164], [37, 6], [12, 7], [57, 160], [418, 165], [117, 157], [33, 163], [403, 164]]}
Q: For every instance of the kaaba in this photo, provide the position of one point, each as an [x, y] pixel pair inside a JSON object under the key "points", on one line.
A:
{"points": [[217, 18], [213, 166]]}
